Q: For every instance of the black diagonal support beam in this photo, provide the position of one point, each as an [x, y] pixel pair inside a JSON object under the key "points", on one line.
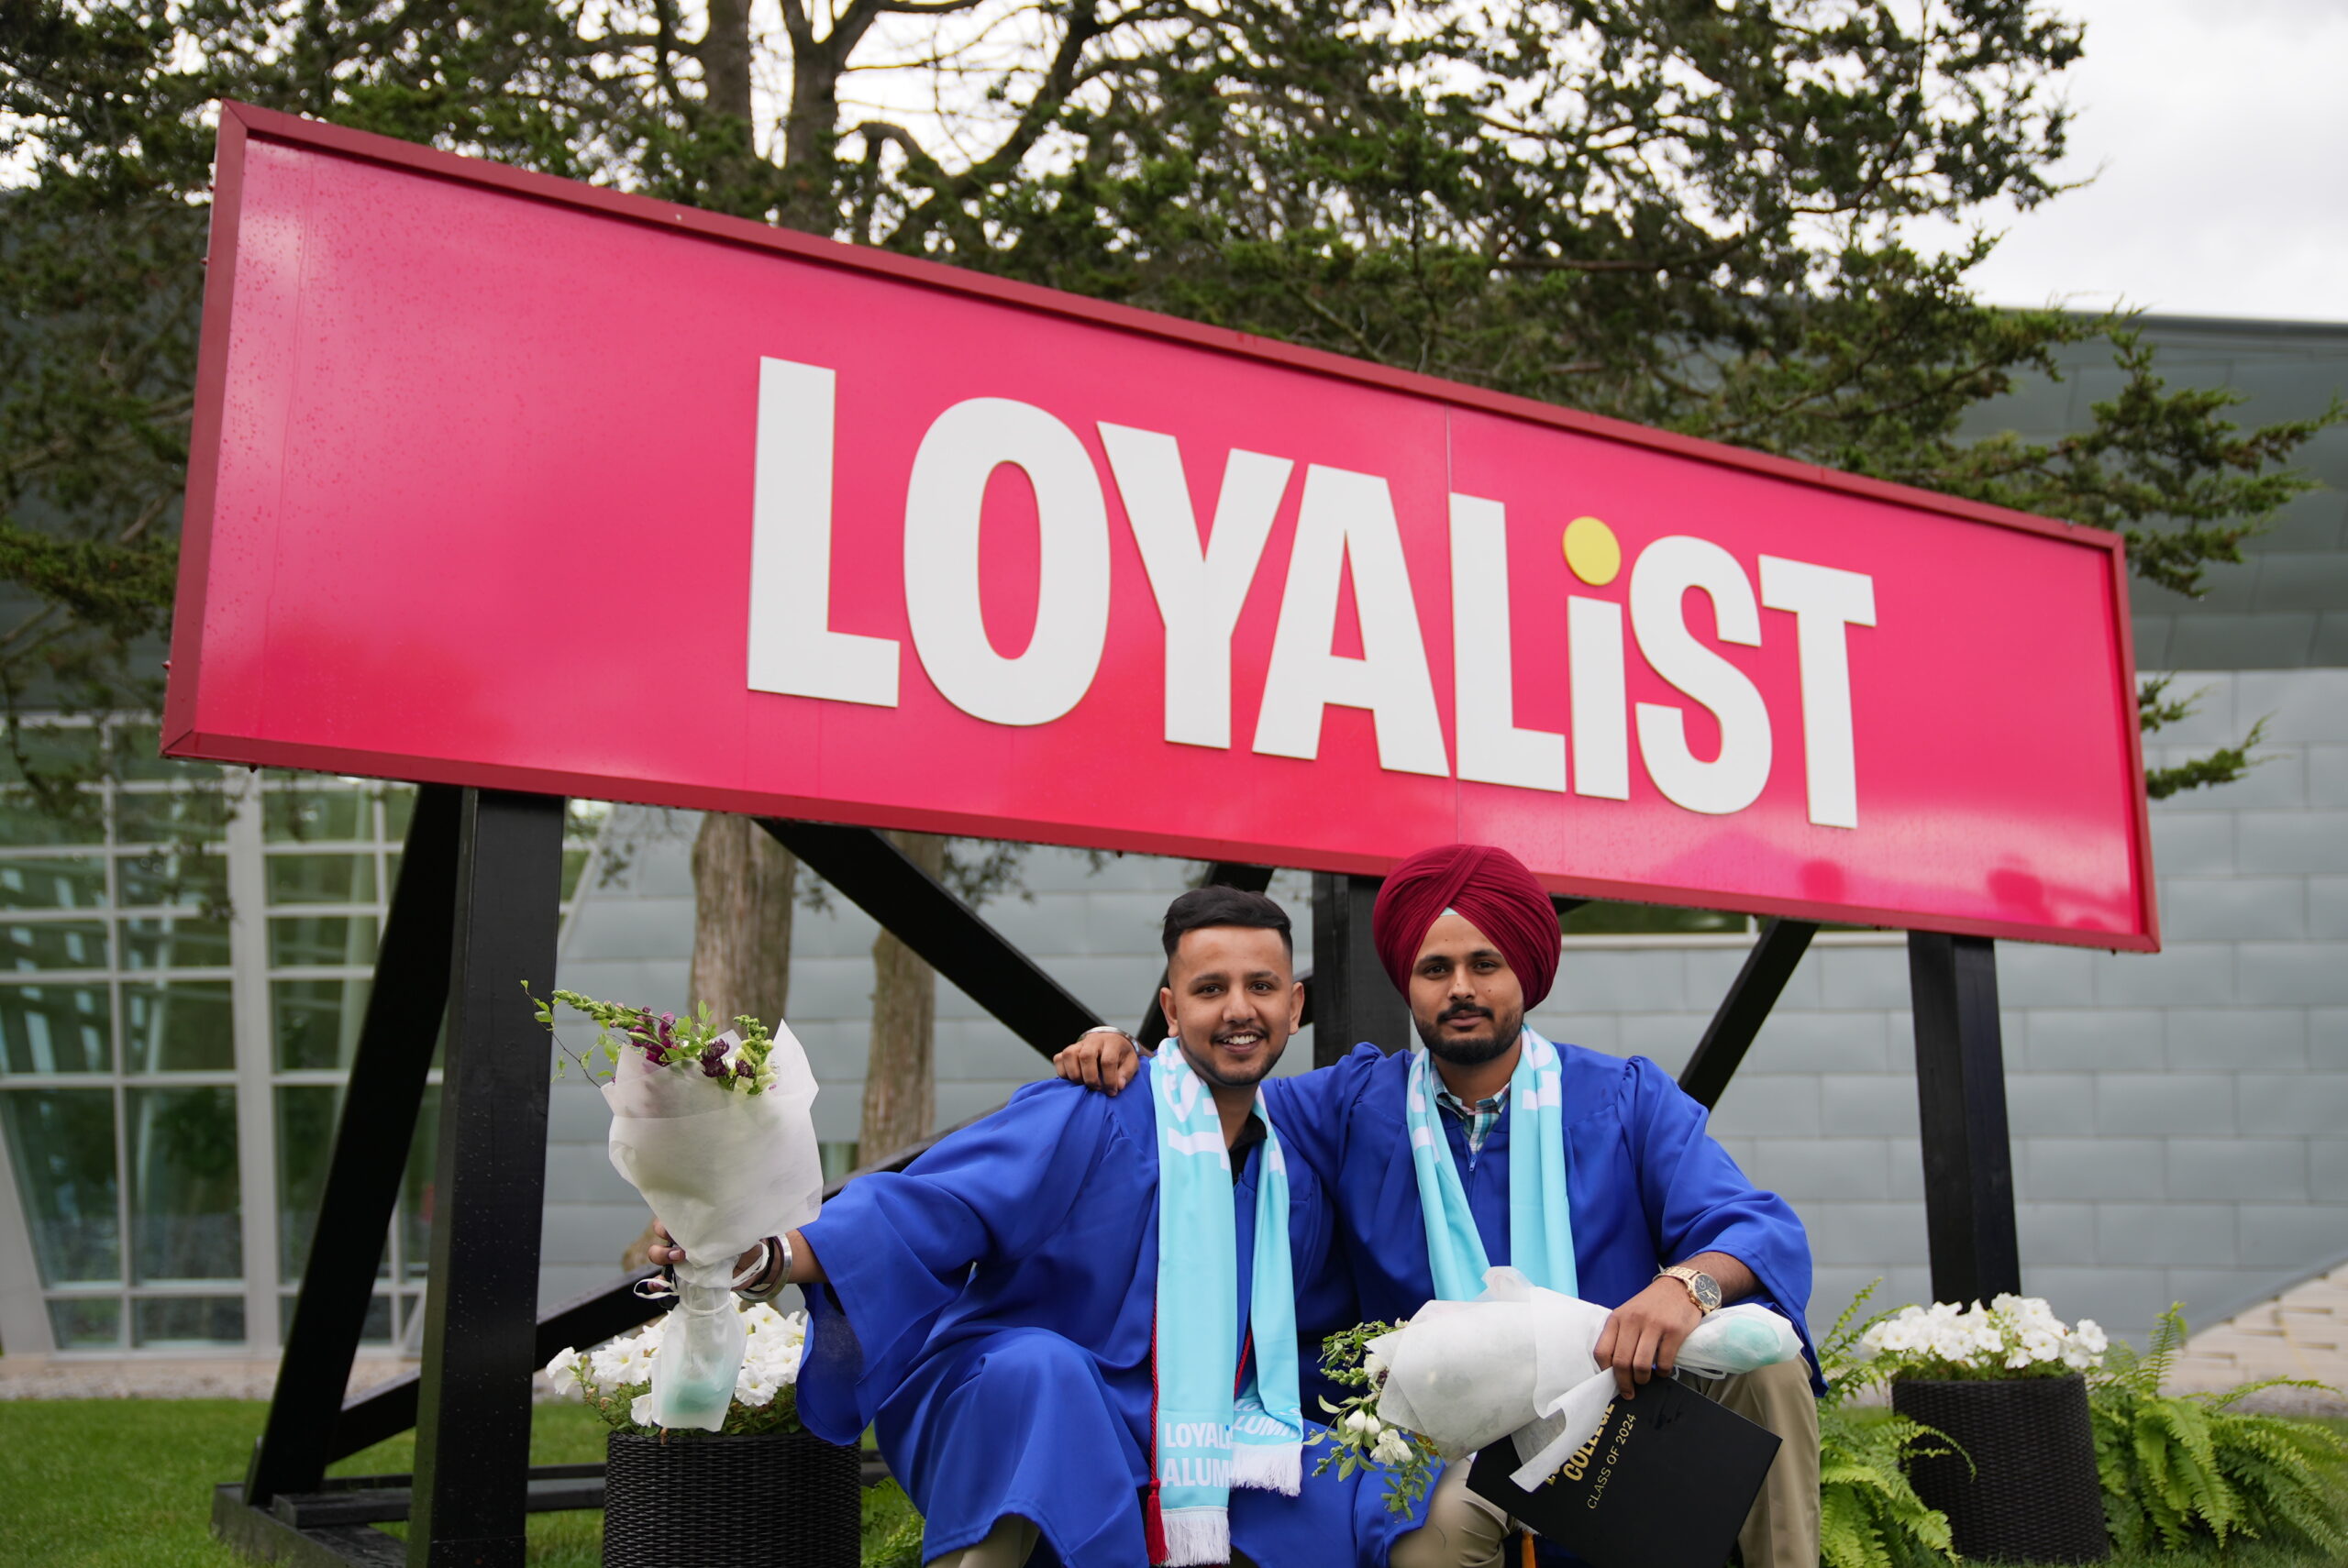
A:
{"points": [[1745, 1009], [1222, 874], [874, 875], [370, 1148]]}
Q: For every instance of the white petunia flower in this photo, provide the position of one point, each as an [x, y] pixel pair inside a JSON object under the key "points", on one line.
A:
{"points": [[563, 1371], [640, 1411]]}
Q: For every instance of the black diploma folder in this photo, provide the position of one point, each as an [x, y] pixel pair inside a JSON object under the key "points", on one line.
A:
{"points": [[1666, 1483]]}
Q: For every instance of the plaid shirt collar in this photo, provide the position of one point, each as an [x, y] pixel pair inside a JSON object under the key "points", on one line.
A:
{"points": [[1480, 1117]]}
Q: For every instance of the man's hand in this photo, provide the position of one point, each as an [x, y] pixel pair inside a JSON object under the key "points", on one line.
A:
{"points": [[1644, 1335], [667, 1253], [1101, 1060]]}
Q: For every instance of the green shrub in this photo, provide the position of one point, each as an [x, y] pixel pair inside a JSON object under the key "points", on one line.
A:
{"points": [[892, 1530], [1870, 1516], [2184, 1470]]}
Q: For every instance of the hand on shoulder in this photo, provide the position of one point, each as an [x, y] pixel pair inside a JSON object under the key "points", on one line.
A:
{"points": [[1105, 1059]]}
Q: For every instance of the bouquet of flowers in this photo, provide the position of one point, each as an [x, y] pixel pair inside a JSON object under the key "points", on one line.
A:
{"points": [[714, 1128], [1357, 1438], [1517, 1362], [2014, 1336], [615, 1377]]}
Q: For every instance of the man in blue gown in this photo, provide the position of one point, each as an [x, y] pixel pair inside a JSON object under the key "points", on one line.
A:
{"points": [[1615, 1193], [1011, 1312]]}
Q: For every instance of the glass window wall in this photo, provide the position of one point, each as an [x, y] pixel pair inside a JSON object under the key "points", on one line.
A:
{"points": [[141, 1007]]}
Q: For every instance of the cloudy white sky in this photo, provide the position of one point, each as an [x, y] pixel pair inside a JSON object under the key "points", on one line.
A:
{"points": [[2217, 131]]}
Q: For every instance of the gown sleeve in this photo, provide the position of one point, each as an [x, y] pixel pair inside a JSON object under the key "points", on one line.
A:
{"points": [[1312, 1109], [897, 1248], [1697, 1201]]}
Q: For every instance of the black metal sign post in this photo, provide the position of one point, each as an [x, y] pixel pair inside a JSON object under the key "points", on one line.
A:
{"points": [[1961, 1097], [473, 1426], [1352, 1000]]}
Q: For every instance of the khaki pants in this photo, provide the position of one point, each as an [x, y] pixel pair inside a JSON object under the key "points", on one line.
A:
{"points": [[1465, 1531], [1008, 1544]]}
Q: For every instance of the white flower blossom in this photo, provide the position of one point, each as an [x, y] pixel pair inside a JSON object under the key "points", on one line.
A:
{"points": [[562, 1371], [1392, 1448], [2011, 1334]]}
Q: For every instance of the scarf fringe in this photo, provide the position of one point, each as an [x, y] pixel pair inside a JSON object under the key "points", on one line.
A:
{"points": [[1268, 1467], [1195, 1536]]}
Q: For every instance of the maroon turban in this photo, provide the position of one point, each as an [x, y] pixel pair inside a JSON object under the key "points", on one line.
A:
{"points": [[1492, 889]]}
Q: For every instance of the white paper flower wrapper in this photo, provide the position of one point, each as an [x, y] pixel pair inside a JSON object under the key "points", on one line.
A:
{"points": [[721, 1169], [1517, 1362]]}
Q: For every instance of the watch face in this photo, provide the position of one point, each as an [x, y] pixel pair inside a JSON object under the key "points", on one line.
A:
{"points": [[1707, 1291]]}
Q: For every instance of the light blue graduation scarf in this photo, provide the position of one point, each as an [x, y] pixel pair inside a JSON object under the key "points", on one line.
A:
{"points": [[1208, 1439], [1539, 1225]]}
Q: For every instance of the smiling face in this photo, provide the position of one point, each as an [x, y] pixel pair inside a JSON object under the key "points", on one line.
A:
{"points": [[1467, 1003], [1232, 999]]}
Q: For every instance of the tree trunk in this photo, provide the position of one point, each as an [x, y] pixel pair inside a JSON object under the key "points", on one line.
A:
{"points": [[726, 59], [900, 1080], [743, 886]]}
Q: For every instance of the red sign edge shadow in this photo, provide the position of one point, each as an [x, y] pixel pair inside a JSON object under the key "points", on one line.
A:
{"points": [[241, 122]]}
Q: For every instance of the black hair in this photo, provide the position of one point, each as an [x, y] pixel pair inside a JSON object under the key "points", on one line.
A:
{"points": [[1202, 907]]}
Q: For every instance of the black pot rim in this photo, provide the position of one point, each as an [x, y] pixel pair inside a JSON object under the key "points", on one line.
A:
{"points": [[699, 1438], [1987, 1382]]}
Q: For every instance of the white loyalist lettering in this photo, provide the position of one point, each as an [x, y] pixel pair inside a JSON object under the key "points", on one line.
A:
{"points": [[1347, 519], [1200, 588]]}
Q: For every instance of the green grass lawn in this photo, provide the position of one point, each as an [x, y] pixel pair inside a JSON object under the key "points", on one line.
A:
{"points": [[128, 1484]]}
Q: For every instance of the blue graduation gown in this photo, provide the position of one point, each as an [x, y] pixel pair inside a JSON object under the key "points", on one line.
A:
{"points": [[990, 1313], [1646, 1184]]}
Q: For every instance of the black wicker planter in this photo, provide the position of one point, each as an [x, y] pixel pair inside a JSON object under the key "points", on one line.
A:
{"points": [[786, 1500], [2030, 1494]]}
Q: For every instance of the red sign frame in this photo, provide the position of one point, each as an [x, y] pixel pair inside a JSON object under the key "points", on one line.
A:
{"points": [[419, 543]]}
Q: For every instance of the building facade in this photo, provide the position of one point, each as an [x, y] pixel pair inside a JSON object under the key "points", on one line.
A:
{"points": [[186, 971]]}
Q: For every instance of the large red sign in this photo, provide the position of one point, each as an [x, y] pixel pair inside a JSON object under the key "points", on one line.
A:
{"points": [[501, 479]]}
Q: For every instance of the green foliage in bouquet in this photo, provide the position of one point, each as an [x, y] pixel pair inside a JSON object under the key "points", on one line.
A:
{"points": [[694, 1043], [2186, 1470], [1357, 1438], [1870, 1516]]}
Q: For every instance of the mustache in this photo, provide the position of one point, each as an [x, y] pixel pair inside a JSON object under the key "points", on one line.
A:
{"points": [[1463, 1010]]}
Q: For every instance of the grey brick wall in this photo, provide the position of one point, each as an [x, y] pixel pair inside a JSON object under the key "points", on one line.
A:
{"points": [[2180, 1120]]}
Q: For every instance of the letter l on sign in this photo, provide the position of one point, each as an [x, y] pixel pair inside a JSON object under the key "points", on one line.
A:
{"points": [[793, 649]]}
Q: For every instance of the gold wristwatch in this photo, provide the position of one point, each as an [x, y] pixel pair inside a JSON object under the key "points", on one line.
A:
{"points": [[1702, 1287]]}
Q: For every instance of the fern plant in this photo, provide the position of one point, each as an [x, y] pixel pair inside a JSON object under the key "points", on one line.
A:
{"points": [[2181, 1470], [1870, 1516]]}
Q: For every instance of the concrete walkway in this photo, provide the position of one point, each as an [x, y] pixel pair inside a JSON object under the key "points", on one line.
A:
{"points": [[189, 1378]]}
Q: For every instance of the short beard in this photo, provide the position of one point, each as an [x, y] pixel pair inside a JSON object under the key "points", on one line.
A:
{"points": [[1203, 1064], [1474, 1050]]}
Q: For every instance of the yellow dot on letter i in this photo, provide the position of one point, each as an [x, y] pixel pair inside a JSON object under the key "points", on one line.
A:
{"points": [[1593, 551]]}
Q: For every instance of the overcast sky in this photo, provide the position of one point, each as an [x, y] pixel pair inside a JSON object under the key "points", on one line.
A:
{"points": [[2221, 131]]}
